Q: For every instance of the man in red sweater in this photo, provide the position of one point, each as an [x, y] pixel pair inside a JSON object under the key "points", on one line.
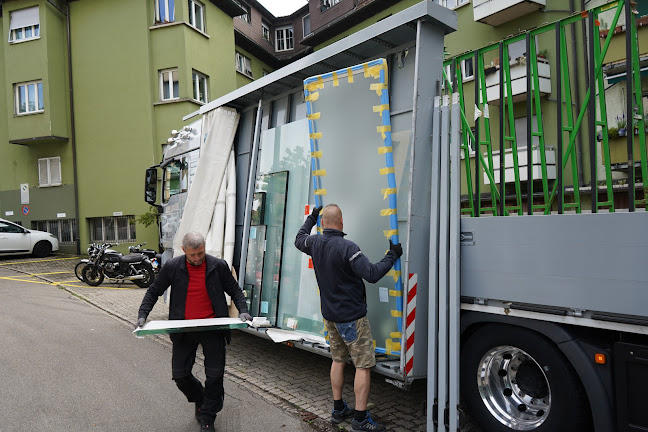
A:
{"points": [[198, 285]]}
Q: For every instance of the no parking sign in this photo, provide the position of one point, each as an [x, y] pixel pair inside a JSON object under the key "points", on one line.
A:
{"points": [[25, 210]]}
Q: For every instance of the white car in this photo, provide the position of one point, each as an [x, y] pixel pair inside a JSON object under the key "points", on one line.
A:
{"points": [[17, 240]]}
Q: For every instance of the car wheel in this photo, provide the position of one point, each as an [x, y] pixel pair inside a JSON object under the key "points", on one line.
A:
{"points": [[42, 249], [514, 379]]}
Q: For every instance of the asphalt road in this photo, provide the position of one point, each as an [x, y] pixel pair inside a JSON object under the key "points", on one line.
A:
{"points": [[68, 366]]}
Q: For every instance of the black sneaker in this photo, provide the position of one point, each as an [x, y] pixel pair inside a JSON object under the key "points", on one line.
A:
{"points": [[207, 427], [366, 425], [198, 407], [338, 416]]}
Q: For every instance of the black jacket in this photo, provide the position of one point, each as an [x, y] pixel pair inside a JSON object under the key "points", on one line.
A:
{"points": [[340, 267], [174, 273]]}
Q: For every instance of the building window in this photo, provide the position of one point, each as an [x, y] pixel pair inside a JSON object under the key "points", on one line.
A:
{"points": [[24, 25], [467, 70], [306, 25], [243, 64], [29, 97], [197, 15], [284, 38], [112, 229], [326, 4], [169, 86], [199, 82], [265, 30], [164, 11], [247, 16], [453, 4], [65, 230], [49, 172]]}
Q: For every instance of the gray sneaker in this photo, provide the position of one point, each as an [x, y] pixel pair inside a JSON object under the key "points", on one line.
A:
{"points": [[366, 425], [338, 416]]}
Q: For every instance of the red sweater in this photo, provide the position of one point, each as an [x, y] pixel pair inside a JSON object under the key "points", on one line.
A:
{"points": [[198, 304]]}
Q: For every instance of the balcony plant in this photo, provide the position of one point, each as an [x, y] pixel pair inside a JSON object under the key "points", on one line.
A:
{"points": [[622, 124]]}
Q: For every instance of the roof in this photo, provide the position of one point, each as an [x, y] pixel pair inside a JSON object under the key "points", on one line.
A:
{"points": [[398, 30]]}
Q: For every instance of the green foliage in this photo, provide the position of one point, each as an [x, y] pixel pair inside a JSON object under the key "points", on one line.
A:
{"points": [[149, 218]]}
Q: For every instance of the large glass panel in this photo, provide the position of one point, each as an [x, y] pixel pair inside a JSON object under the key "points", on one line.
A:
{"points": [[254, 268], [350, 121]]}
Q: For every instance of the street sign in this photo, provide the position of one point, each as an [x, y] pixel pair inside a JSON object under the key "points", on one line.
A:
{"points": [[25, 210], [24, 193]]}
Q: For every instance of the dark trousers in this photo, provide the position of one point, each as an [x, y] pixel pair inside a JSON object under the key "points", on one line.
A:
{"points": [[183, 358]]}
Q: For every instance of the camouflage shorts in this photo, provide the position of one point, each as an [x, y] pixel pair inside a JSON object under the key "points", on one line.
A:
{"points": [[352, 338]]}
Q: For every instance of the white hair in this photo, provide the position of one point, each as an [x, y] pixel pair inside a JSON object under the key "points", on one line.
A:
{"points": [[193, 240]]}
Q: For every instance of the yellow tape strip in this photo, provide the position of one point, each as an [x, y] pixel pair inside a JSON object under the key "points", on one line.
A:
{"points": [[336, 81], [350, 75], [315, 85], [314, 116], [374, 71], [316, 154], [397, 314], [319, 173], [394, 274], [385, 149], [388, 191], [390, 233], [396, 293], [320, 191], [378, 87], [387, 212], [312, 97], [381, 108], [316, 135], [320, 230], [384, 171], [382, 129], [395, 335]]}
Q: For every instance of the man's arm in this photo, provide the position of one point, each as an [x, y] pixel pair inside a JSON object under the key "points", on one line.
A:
{"points": [[372, 273], [157, 288], [301, 241]]}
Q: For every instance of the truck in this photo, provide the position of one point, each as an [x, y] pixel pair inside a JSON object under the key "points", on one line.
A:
{"points": [[521, 287]]}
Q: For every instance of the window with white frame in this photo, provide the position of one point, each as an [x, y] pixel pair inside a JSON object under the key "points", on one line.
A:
{"points": [[164, 11], [467, 70], [306, 25], [265, 31], [247, 16], [199, 83], [453, 4], [243, 64], [169, 85], [29, 97], [49, 172], [197, 15], [24, 24], [112, 229], [65, 230], [284, 38], [326, 4]]}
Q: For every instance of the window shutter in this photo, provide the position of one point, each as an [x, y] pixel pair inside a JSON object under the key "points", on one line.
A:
{"points": [[43, 176], [55, 171], [24, 18]]}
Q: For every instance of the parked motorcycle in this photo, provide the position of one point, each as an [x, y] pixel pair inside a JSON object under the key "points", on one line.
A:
{"points": [[154, 257], [117, 268], [92, 250]]}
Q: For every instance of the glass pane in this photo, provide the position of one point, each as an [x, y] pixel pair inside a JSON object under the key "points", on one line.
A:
{"points": [[165, 86], [194, 86], [199, 17], [254, 268], [191, 13], [22, 99], [96, 230], [31, 97], [109, 227], [203, 89], [66, 231], [37, 30], [176, 85], [28, 32], [122, 228], [41, 105], [162, 10], [171, 10], [19, 34]]}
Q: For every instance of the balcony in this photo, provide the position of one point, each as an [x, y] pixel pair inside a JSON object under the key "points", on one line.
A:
{"points": [[522, 164], [497, 12], [519, 81]]}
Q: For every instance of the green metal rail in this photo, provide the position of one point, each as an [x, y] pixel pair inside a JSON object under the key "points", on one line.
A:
{"points": [[549, 193]]}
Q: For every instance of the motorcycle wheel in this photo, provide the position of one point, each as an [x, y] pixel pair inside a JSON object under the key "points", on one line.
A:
{"points": [[149, 276], [78, 270], [93, 275]]}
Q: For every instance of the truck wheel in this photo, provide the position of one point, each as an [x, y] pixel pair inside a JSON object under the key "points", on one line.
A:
{"points": [[514, 379]]}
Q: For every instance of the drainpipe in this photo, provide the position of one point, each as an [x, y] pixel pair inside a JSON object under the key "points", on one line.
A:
{"points": [[577, 98], [73, 131]]}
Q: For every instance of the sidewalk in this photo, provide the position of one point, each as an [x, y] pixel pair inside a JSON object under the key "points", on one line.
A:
{"points": [[290, 378]]}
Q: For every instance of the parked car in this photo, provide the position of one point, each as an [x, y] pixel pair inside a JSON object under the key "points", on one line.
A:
{"points": [[18, 240]]}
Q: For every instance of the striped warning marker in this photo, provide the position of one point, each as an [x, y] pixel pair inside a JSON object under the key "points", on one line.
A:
{"points": [[409, 323]]}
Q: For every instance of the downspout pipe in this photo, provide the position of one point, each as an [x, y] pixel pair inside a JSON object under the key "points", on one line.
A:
{"points": [[73, 130]]}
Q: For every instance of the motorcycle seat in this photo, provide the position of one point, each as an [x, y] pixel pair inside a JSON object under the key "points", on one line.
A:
{"points": [[131, 258]]}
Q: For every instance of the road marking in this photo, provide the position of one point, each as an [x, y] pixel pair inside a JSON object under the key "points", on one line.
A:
{"points": [[41, 274], [27, 280], [39, 261]]}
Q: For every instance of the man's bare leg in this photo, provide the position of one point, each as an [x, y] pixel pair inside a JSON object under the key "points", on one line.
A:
{"points": [[361, 387], [337, 379]]}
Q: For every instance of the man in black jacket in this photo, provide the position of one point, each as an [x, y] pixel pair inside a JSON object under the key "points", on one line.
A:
{"points": [[340, 267], [198, 282]]}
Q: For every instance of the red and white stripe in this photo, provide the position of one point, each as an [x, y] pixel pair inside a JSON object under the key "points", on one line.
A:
{"points": [[409, 324]]}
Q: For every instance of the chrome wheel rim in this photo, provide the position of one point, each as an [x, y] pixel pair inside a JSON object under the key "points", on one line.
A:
{"points": [[514, 388]]}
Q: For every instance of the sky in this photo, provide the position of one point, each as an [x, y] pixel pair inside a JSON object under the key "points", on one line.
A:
{"points": [[282, 7]]}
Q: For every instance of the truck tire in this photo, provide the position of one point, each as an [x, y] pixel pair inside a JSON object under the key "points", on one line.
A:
{"points": [[514, 379]]}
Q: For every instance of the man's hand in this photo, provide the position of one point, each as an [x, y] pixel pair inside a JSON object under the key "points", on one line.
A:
{"points": [[245, 316], [140, 322], [396, 248], [316, 211]]}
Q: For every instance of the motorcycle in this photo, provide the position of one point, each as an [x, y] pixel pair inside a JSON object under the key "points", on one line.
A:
{"points": [[154, 257], [117, 268]]}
